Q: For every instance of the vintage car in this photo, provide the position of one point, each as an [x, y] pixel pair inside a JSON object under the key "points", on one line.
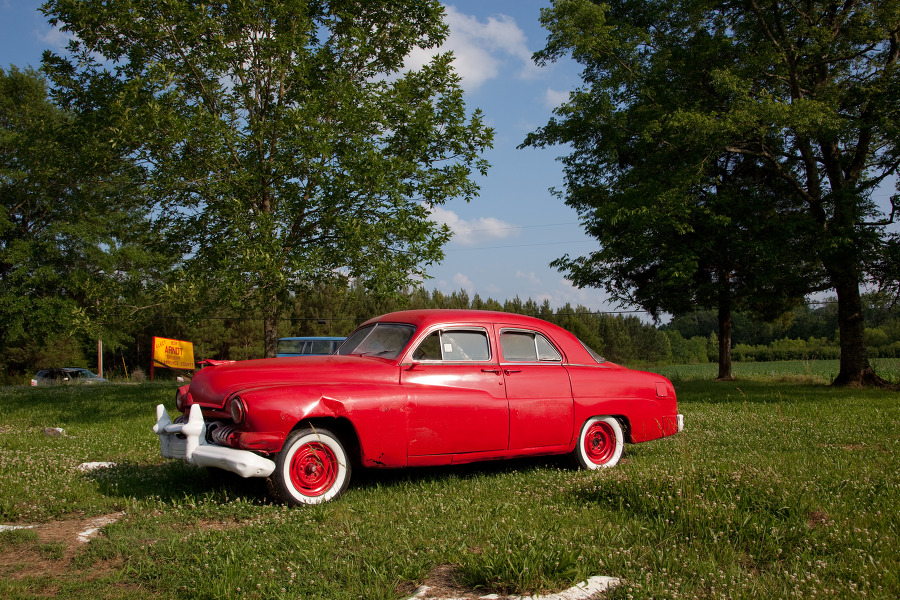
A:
{"points": [[416, 388]]}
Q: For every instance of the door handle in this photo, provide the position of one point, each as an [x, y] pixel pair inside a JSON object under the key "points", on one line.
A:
{"points": [[510, 371], [494, 371]]}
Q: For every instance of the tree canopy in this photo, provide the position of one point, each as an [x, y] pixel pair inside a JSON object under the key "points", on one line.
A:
{"points": [[284, 142], [73, 231], [726, 146]]}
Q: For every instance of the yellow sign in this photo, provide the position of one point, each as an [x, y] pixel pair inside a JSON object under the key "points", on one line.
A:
{"points": [[174, 354]]}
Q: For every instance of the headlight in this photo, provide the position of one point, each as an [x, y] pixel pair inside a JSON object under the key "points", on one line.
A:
{"points": [[179, 400], [237, 410]]}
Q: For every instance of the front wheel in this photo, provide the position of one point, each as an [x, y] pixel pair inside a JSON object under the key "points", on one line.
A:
{"points": [[600, 444], [311, 468]]}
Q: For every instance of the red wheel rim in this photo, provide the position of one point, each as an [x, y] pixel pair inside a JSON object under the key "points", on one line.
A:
{"points": [[314, 469], [600, 442]]}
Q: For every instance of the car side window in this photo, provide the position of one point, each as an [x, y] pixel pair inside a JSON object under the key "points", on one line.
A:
{"points": [[527, 346], [320, 347], [546, 350], [454, 346], [430, 348]]}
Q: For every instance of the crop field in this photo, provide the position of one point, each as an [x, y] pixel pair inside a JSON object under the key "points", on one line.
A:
{"points": [[779, 487]]}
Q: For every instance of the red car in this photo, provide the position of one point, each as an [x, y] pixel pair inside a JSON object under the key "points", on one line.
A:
{"points": [[416, 388]]}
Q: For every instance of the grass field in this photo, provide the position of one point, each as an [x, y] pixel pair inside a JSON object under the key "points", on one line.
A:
{"points": [[798, 371], [780, 487]]}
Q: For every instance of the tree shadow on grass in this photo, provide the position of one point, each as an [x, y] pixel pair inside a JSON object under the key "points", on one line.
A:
{"points": [[757, 392], [173, 481], [370, 478]]}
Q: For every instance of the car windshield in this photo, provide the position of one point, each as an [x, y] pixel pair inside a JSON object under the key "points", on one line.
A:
{"points": [[81, 374], [386, 340]]}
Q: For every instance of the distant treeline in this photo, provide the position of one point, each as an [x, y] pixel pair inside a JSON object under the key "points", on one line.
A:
{"points": [[337, 311], [808, 332], [805, 333]]}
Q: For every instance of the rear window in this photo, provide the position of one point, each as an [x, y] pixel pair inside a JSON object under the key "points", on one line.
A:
{"points": [[527, 346], [593, 354]]}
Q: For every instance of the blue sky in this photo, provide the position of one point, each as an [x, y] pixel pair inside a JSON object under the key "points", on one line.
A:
{"points": [[504, 240]]}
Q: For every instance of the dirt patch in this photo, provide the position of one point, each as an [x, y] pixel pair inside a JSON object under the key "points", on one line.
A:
{"points": [[441, 584], [816, 518], [218, 525], [57, 545]]}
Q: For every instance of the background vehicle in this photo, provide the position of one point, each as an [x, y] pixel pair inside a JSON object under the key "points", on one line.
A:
{"points": [[66, 375], [307, 346], [416, 388]]}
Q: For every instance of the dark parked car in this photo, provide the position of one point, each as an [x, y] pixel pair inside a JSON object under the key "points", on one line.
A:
{"points": [[66, 375]]}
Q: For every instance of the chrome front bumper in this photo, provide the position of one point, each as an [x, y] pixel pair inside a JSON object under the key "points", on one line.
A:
{"points": [[188, 441]]}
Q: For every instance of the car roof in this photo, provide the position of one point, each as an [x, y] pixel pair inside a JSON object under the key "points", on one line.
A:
{"points": [[432, 316], [425, 318], [313, 337]]}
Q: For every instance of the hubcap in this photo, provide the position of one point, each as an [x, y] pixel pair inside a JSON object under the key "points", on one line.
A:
{"points": [[314, 469], [600, 443]]}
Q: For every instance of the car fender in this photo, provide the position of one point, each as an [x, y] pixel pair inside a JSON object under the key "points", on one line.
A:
{"points": [[377, 415], [647, 399]]}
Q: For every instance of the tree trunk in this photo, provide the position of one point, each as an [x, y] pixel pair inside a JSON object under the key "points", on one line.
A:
{"points": [[725, 373], [854, 367], [270, 328]]}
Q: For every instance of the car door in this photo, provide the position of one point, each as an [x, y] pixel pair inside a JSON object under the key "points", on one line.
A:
{"points": [[457, 399], [541, 409]]}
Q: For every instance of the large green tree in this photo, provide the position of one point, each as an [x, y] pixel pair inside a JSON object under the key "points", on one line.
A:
{"points": [[681, 224], [286, 145], [801, 98], [72, 227]]}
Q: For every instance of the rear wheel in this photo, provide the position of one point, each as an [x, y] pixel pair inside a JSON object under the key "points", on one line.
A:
{"points": [[600, 444], [311, 468]]}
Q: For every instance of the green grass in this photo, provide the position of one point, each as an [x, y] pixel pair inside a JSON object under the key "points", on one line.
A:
{"points": [[798, 371], [778, 488]]}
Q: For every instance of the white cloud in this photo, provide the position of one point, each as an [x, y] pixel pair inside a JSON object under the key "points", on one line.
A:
{"points": [[529, 277], [55, 38], [475, 231], [464, 283], [553, 98], [481, 49], [566, 292]]}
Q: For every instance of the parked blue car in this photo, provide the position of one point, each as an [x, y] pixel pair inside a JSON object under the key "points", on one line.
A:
{"points": [[307, 346]]}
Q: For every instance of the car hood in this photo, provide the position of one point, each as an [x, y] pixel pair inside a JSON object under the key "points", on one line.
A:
{"points": [[213, 385]]}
